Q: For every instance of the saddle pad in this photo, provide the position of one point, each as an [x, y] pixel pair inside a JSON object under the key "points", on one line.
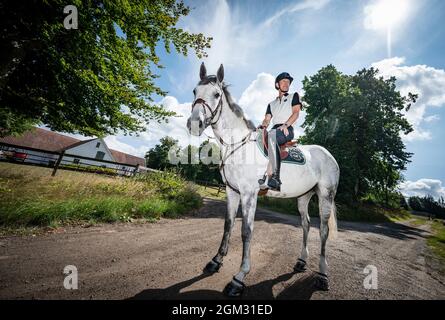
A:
{"points": [[295, 155]]}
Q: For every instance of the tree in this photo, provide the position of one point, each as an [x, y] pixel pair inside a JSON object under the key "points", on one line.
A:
{"points": [[157, 157], [358, 119], [189, 162], [428, 204], [382, 118], [94, 80]]}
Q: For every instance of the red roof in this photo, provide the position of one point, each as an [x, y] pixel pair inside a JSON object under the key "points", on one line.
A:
{"points": [[43, 139]]}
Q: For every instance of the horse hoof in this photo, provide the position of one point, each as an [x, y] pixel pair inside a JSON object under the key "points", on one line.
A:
{"points": [[212, 267], [234, 288], [300, 266], [321, 282]]}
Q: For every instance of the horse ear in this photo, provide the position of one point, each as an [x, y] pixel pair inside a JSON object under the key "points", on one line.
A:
{"points": [[202, 71], [220, 73]]}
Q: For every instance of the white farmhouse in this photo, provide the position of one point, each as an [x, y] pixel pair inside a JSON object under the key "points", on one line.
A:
{"points": [[44, 147]]}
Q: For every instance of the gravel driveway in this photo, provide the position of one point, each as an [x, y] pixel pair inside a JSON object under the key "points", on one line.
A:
{"points": [[163, 260]]}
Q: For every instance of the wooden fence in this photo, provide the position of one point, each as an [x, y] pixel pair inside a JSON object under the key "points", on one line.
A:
{"points": [[63, 160]]}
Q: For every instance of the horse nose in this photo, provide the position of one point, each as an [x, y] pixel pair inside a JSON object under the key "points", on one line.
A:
{"points": [[200, 123]]}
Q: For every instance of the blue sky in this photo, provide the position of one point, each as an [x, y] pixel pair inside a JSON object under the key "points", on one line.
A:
{"points": [[256, 40]]}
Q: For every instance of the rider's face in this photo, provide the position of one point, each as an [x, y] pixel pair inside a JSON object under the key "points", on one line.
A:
{"points": [[284, 84]]}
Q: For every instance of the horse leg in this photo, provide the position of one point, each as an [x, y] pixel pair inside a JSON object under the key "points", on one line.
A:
{"points": [[326, 206], [303, 204], [233, 200], [249, 202]]}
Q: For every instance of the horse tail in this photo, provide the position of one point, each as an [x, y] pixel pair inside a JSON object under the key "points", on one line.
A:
{"points": [[332, 222]]}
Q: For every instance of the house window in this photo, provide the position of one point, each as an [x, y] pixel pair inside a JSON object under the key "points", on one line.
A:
{"points": [[98, 145], [100, 155], [76, 161]]}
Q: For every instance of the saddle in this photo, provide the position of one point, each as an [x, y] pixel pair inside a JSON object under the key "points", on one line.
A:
{"points": [[283, 148]]}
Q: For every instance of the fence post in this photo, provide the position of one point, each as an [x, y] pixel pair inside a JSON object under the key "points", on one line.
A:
{"points": [[136, 169], [56, 166]]}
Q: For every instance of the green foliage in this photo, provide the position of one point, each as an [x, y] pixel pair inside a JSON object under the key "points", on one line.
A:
{"points": [[93, 169], [158, 157], [359, 119], [194, 164], [95, 80], [428, 204]]}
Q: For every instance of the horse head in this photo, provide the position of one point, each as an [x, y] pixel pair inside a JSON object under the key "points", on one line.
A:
{"points": [[208, 99]]}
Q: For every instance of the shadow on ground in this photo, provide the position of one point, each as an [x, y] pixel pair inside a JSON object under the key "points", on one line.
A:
{"points": [[300, 288], [217, 209]]}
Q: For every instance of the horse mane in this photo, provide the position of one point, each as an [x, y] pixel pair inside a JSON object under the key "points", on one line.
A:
{"points": [[232, 104]]}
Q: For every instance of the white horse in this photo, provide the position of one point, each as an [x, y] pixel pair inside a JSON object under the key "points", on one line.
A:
{"points": [[243, 164]]}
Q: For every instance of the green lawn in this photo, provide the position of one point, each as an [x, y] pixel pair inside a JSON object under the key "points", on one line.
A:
{"points": [[437, 241]]}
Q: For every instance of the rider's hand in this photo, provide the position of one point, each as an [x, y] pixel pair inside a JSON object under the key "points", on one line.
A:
{"points": [[260, 127], [284, 129]]}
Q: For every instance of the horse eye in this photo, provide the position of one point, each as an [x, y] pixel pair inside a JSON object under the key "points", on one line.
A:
{"points": [[217, 95]]}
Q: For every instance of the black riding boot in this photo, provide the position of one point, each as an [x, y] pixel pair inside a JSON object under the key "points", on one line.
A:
{"points": [[274, 181]]}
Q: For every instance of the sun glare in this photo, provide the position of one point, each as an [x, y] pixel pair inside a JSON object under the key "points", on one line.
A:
{"points": [[386, 15]]}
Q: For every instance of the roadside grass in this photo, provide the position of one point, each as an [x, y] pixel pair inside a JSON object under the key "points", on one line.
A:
{"points": [[437, 241], [30, 197], [211, 193]]}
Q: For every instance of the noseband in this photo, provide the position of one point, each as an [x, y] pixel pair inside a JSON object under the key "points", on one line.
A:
{"points": [[207, 120]]}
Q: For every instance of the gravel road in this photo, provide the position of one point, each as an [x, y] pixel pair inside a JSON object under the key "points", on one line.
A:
{"points": [[164, 260]]}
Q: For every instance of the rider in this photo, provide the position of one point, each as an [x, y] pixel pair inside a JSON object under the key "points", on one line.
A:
{"points": [[283, 111]]}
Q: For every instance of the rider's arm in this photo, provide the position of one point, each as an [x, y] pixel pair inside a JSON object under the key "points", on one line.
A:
{"points": [[267, 117], [266, 120]]}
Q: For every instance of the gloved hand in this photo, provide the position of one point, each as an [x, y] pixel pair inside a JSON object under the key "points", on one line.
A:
{"points": [[260, 127]]}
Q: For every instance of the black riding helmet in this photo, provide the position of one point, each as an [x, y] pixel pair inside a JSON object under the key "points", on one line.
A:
{"points": [[281, 76]]}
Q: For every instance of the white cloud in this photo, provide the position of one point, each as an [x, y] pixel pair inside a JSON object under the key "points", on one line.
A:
{"points": [[432, 118], [239, 42], [258, 94], [295, 7], [422, 187], [176, 126], [113, 142], [426, 81], [235, 38]]}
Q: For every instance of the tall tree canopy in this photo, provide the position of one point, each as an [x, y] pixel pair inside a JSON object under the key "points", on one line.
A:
{"points": [[359, 120], [94, 80]]}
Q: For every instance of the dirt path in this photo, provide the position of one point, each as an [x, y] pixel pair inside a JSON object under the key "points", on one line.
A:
{"points": [[165, 259]]}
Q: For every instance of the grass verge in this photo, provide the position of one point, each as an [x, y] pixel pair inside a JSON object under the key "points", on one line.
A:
{"points": [[30, 197]]}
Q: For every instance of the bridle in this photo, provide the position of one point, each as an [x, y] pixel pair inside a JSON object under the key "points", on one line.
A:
{"points": [[209, 121]]}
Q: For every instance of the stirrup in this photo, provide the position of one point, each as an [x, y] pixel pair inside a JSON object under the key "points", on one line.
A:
{"points": [[276, 183]]}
